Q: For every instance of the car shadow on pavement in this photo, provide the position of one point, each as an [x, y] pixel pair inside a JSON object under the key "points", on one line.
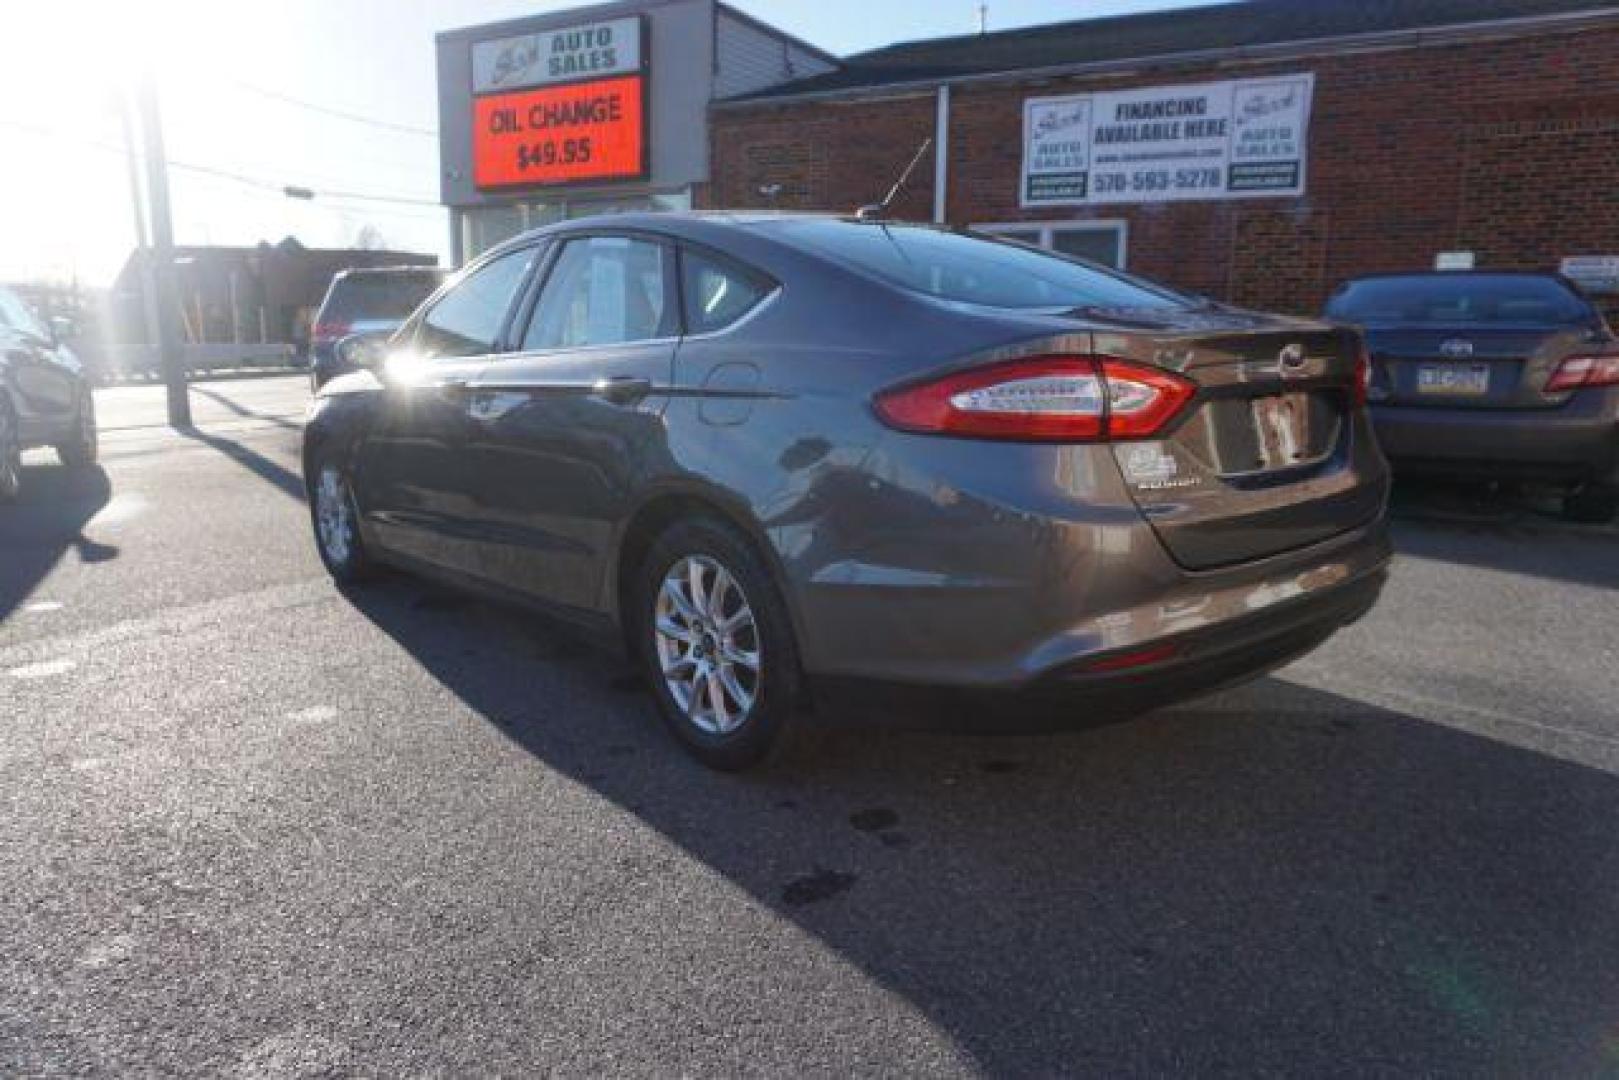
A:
{"points": [[1277, 879], [1581, 556], [45, 523], [1501, 530], [244, 411]]}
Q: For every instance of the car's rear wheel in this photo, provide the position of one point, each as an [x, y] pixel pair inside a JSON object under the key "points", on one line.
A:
{"points": [[10, 454], [717, 644], [337, 523], [84, 445], [1593, 504]]}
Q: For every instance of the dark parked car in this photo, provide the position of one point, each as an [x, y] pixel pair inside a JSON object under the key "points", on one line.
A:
{"points": [[365, 301], [45, 399], [759, 450], [1494, 375]]}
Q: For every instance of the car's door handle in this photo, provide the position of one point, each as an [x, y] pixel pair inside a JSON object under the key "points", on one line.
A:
{"points": [[622, 389]]}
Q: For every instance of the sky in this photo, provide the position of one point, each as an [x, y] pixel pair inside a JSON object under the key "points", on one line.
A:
{"points": [[237, 81]]}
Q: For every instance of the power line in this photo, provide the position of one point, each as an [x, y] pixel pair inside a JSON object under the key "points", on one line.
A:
{"points": [[341, 114], [224, 174]]}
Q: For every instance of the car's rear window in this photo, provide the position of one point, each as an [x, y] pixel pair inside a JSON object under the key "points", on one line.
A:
{"points": [[392, 295], [971, 268], [1438, 299]]}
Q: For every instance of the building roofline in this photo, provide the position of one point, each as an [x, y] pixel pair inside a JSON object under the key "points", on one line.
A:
{"points": [[777, 32], [566, 17], [1424, 37]]}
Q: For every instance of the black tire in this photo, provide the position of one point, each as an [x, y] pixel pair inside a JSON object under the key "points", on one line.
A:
{"points": [[10, 454], [764, 725], [1593, 504], [347, 562], [82, 447]]}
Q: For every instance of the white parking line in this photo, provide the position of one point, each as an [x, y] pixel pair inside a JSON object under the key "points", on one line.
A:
{"points": [[43, 670], [318, 714], [42, 607]]}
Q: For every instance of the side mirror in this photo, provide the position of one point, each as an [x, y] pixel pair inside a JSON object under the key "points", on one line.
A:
{"points": [[62, 328], [367, 350]]}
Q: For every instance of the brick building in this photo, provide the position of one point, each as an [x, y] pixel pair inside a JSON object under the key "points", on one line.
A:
{"points": [[1488, 127]]}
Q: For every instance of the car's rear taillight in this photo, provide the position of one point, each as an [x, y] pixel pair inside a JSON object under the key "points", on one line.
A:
{"points": [[330, 331], [1582, 371], [1363, 376], [1041, 399]]}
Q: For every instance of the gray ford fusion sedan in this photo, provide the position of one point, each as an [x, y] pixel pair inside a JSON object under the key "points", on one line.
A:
{"points": [[761, 452]]}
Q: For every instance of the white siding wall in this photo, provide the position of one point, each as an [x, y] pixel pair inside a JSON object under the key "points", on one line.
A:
{"points": [[750, 59]]}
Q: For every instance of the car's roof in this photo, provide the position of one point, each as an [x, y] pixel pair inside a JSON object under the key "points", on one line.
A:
{"points": [[695, 225], [359, 271], [1550, 275]]}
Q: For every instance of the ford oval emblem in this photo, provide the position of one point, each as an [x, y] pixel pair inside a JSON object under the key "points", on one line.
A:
{"points": [[1456, 347], [1292, 359]]}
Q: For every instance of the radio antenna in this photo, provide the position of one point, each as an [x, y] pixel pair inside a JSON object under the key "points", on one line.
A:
{"points": [[873, 211]]}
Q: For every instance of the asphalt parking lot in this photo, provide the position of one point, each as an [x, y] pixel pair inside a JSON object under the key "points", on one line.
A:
{"points": [[255, 825]]}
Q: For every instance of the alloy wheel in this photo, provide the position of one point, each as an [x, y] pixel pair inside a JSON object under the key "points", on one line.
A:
{"points": [[707, 644], [334, 516]]}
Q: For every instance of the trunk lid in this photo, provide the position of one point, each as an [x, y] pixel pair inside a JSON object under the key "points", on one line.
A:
{"points": [[1469, 367], [1272, 454]]}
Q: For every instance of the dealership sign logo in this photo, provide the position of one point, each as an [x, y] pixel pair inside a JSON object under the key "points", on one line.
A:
{"points": [[548, 57], [560, 106], [1158, 144]]}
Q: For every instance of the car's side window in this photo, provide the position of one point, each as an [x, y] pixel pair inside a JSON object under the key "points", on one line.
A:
{"points": [[18, 315], [602, 290], [466, 321], [716, 293]]}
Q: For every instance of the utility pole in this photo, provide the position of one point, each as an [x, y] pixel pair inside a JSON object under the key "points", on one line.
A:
{"points": [[143, 245], [157, 185]]}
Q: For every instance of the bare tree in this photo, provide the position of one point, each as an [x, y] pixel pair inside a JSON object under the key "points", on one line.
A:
{"points": [[370, 238]]}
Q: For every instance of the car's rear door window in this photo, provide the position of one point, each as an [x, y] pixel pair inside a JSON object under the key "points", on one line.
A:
{"points": [[603, 290], [467, 320], [716, 292]]}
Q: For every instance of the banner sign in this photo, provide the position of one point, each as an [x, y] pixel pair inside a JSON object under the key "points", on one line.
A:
{"points": [[591, 51], [1596, 274], [1223, 140], [561, 134]]}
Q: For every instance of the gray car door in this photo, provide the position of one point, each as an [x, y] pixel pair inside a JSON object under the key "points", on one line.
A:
{"points": [[416, 487], [565, 421]]}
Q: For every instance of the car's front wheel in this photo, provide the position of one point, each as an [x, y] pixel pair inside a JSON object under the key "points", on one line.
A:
{"points": [[10, 454], [717, 644], [83, 445], [337, 523]]}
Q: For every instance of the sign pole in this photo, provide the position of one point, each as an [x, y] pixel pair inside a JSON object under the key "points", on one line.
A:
{"points": [[157, 185]]}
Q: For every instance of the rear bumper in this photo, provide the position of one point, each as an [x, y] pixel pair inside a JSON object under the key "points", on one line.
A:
{"points": [[1224, 654], [1206, 661], [1224, 625], [1577, 441]]}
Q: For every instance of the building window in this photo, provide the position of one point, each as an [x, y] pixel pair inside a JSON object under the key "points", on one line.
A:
{"points": [[1099, 241], [485, 227]]}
